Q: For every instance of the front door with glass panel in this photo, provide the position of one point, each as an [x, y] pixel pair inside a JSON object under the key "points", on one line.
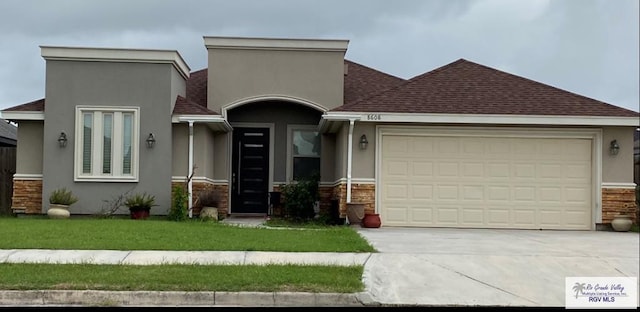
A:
{"points": [[250, 172]]}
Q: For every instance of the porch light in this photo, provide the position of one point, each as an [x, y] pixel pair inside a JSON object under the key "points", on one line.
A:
{"points": [[363, 142], [62, 139], [614, 148], [151, 140]]}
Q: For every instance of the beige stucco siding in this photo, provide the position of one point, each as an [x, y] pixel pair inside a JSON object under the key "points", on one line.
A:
{"points": [[180, 148], [237, 74], [29, 149], [327, 158], [364, 164], [618, 168], [341, 152], [220, 156], [178, 87]]}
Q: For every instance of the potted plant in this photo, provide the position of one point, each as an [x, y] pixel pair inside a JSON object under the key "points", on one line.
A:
{"points": [[59, 202], [140, 205], [207, 201]]}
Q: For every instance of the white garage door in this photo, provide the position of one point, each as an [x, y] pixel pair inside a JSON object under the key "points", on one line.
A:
{"points": [[485, 182]]}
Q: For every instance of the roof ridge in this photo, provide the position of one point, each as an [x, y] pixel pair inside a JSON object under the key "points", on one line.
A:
{"points": [[405, 83], [371, 68], [556, 89]]}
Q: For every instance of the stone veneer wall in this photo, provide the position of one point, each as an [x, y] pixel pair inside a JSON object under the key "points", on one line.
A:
{"points": [[27, 196], [360, 193], [618, 201], [196, 187]]}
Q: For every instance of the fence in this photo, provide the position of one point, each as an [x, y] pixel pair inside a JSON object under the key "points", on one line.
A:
{"points": [[7, 170]]}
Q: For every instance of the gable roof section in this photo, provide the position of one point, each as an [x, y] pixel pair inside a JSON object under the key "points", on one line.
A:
{"points": [[187, 107], [197, 87], [35, 106], [361, 81], [8, 132], [464, 87]]}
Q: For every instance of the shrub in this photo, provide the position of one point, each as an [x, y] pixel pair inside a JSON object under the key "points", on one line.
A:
{"points": [[299, 198], [62, 196], [178, 211]]}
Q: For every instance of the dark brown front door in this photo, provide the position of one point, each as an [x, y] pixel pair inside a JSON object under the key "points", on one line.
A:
{"points": [[250, 173]]}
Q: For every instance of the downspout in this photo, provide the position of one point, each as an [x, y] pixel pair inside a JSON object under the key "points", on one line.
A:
{"points": [[189, 177], [349, 158]]}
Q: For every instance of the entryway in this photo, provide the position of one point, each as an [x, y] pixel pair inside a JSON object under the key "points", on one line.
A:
{"points": [[250, 171]]}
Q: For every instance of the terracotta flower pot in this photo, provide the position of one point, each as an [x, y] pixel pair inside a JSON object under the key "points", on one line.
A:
{"points": [[140, 213], [371, 220]]}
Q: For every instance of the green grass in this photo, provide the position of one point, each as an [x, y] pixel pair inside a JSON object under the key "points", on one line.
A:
{"points": [[157, 234], [635, 228], [181, 277]]}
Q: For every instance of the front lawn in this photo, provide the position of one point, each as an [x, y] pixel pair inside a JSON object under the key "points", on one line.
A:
{"points": [[127, 234], [346, 279]]}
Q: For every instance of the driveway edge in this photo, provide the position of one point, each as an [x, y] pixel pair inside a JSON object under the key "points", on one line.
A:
{"points": [[101, 298]]}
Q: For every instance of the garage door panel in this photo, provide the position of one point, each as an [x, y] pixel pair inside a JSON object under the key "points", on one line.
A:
{"points": [[422, 192], [473, 216], [447, 192], [496, 182], [446, 215], [396, 191]]}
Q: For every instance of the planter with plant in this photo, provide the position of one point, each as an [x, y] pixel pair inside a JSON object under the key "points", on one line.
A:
{"points": [[207, 202], [59, 202], [140, 204]]}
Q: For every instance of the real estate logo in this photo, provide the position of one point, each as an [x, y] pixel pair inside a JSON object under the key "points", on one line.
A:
{"points": [[601, 292]]}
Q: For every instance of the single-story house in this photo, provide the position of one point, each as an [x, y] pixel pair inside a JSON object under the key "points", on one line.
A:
{"points": [[463, 145]]}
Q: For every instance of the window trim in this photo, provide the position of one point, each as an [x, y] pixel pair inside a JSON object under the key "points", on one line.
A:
{"points": [[116, 149], [290, 129]]}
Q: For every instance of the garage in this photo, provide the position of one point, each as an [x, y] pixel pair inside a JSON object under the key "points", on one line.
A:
{"points": [[485, 178]]}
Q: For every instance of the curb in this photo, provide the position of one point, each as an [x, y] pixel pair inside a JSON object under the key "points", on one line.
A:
{"points": [[99, 298]]}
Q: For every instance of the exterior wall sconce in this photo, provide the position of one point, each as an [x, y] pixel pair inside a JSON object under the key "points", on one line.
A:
{"points": [[614, 147], [151, 140], [363, 142], [62, 139]]}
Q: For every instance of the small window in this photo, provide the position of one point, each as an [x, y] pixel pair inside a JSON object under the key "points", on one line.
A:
{"points": [[106, 148], [304, 143]]}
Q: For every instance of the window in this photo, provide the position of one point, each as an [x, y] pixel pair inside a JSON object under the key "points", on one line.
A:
{"points": [[304, 152], [106, 144]]}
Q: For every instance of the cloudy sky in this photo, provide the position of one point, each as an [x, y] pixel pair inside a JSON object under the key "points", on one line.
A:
{"points": [[589, 47]]}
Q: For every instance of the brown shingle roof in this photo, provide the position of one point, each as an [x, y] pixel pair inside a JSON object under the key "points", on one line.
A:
{"points": [[197, 87], [187, 107], [35, 106], [464, 87], [362, 81]]}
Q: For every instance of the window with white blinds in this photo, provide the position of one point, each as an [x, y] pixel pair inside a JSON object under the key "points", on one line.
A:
{"points": [[106, 145]]}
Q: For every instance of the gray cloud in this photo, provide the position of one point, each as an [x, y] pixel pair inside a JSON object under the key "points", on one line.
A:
{"points": [[589, 47]]}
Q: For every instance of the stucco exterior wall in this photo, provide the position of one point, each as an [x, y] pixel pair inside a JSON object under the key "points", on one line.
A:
{"points": [[221, 162], [618, 168], [29, 148], [364, 161], [144, 85], [178, 87], [327, 158], [180, 149], [237, 74], [341, 152]]}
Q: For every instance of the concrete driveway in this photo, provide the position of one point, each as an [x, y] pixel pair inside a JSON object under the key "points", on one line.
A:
{"points": [[438, 266]]}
